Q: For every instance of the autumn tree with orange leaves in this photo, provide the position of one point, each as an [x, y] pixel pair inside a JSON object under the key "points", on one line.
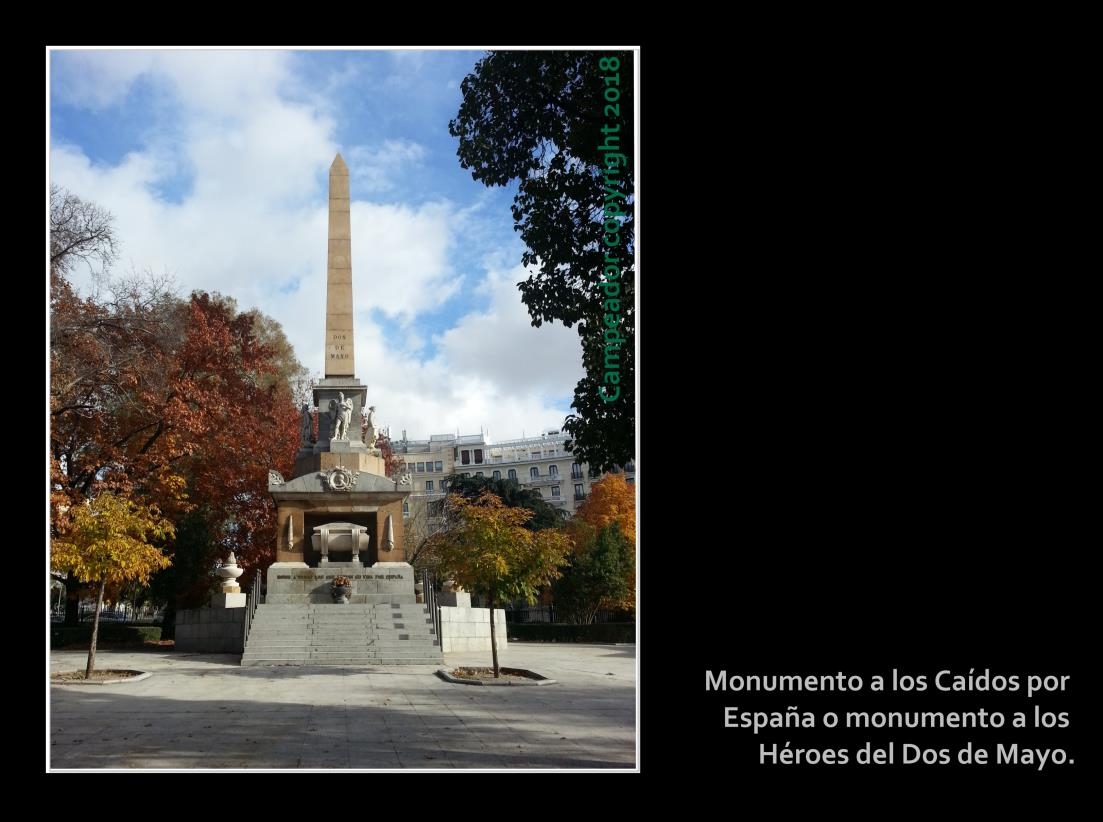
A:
{"points": [[612, 501], [180, 404]]}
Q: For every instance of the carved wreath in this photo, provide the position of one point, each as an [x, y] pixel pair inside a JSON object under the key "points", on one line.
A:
{"points": [[339, 478]]}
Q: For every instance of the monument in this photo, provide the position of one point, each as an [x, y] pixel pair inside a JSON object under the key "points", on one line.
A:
{"points": [[339, 515]]}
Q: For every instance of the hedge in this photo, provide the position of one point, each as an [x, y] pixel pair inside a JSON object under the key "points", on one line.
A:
{"points": [[565, 632], [62, 635]]}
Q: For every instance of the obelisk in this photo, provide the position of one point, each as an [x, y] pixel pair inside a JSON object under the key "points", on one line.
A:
{"points": [[340, 490], [340, 361], [340, 396]]}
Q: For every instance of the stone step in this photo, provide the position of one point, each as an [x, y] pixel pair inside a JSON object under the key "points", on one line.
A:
{"points": [[349, 662]]}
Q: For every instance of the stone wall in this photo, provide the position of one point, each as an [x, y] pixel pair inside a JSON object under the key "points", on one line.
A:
{"points": [[211, 630], [384, 582], [468, 629]]}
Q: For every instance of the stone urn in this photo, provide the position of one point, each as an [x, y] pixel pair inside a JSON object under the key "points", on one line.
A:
{"points": [[229, 573]]}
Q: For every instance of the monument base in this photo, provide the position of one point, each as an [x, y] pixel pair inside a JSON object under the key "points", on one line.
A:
{"points": [[294, 583]]}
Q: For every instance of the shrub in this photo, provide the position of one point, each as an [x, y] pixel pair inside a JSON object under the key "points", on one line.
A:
{"points": [[62, 635], [565, 632]]}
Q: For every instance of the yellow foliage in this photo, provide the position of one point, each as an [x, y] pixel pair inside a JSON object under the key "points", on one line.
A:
{"points": [[108, 539], [490, 552], [611, 500]]}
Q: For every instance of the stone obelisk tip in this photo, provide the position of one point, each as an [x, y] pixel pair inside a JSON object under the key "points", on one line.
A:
{"points": [[339, 164]]}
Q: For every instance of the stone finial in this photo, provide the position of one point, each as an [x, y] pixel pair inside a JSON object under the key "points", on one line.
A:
{"points": [[229, 573]]}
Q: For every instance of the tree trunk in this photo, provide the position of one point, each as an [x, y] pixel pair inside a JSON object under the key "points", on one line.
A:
{"points": [[95, 631], [493, 639], [72, 600], [168, 619]]}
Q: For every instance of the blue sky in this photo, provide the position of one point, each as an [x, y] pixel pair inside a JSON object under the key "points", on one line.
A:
{"points": [[215, 165]]}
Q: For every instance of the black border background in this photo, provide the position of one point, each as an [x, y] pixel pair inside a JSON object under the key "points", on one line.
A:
{"points": [[861, 413]]}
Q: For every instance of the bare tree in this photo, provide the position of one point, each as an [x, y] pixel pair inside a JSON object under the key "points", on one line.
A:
{"points": [[79, 231]]}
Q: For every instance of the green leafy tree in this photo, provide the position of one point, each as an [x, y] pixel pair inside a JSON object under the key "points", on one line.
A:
{"points": [[512, 495], [491, 553], [110, 540], [537, 119], [599, 576]]}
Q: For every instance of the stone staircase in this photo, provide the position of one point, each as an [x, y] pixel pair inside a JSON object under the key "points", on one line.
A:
{"points": [[354, 634]]}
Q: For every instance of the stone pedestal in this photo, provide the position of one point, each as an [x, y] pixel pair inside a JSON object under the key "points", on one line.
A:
{"points": [[228, 600], [455, 599]]}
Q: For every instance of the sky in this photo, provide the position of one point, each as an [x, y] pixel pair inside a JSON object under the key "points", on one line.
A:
{"points": [[215, 166]]}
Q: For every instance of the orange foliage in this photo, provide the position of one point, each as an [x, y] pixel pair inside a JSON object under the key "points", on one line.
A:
{"points": [[170, 403], [611, 500]]}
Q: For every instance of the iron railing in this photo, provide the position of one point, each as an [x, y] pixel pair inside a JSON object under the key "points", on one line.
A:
{"points": [[251, 605], [429, 594]]}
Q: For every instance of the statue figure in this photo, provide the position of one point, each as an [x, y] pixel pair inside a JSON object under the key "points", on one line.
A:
{"points": [[307, 430], [369, 431], [340, 411]]}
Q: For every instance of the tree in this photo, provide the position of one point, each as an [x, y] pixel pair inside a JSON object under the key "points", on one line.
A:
{"points": [[428, 516], [611, 501], [540, 119], [599, 576], [169, 402], [544, 514], [490, 552], [79, 231], [109, 541]]}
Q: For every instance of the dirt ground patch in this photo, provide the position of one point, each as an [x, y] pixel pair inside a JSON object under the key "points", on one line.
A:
{"points": [[97, 676]]}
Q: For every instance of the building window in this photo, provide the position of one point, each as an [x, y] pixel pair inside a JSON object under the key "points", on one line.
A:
{"points": [[534, 472], [478, 456], [536, 455], [578, 494], [553, 470], [443, 486], [513, 474], [428, 485], [410, 468], [405, 509], [438, 466], [630, 466], [478, 473], [497, 475], [421, 467], [555, 491], [593, 474], [465, 457], [576, 471], [630, 480]]}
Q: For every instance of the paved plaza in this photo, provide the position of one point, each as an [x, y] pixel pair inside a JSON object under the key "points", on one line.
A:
{"points": [[205, 711]]}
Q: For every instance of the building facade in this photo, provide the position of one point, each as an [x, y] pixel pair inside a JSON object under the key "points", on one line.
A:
{"points": [[541, 463]]}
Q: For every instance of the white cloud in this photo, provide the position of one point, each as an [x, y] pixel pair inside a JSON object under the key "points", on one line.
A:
{"points": [[373, 169], [253, 225]]}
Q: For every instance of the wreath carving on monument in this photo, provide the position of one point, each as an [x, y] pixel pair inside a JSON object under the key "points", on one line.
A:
{"points": [[339, 478]]}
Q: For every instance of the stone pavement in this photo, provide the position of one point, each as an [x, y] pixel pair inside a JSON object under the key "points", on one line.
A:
{"points": [[205, 711]]}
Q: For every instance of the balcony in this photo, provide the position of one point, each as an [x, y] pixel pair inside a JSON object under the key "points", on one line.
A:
{"points": [[578, 497], [576, 475], [540, 482]]}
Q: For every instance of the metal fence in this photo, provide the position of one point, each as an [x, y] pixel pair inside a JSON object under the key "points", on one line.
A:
{"points": [[548, 613]]}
